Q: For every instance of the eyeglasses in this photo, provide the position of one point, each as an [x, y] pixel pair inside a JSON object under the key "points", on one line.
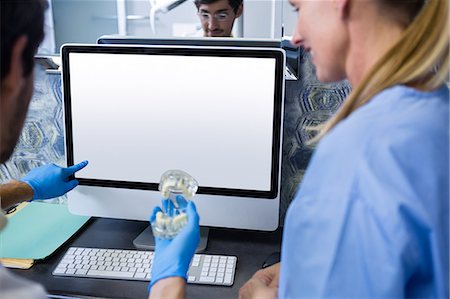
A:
{"points": [[220, 16]]}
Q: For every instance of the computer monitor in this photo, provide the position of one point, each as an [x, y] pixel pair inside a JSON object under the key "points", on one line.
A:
{"points": [[216, 113], [292, 53]]}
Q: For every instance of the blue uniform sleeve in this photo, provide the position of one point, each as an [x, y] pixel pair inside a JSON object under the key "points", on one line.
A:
{"points": [[381, 238]]}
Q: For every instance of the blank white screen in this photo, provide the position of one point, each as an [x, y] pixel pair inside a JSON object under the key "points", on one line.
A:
{"points": [[136, 116]]}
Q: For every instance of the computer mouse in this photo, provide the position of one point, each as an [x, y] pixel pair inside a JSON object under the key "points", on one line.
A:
{"points": [[273, 258]]}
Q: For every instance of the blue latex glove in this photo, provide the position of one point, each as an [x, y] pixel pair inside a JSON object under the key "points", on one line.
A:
{"points": [[50, 181], [172, 257]]}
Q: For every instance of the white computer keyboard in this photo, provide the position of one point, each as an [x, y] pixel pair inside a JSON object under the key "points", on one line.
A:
{"points": [[137, 265]]}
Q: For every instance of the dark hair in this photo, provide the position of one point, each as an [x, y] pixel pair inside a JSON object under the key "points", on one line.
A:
{"points": [[233, 3], [21, 18]]}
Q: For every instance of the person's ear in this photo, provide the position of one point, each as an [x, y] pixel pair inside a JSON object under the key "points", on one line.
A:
{"points": [[240, 10], [13, 81]]}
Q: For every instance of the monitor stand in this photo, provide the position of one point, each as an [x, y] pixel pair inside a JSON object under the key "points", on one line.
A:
{"points": [[146, 241]]}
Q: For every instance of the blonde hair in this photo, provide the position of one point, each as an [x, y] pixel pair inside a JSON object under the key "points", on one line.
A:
{"points": [[420, 58]]}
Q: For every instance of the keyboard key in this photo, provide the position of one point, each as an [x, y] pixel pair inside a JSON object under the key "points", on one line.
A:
{"points": [[219, 279], [60, 270], [206, 279], [81, 272], [139, 275], [71, 271], [195, 263], [110, 273]]}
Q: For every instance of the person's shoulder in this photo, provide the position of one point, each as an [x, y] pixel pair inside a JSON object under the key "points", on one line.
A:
{"points": [[405, 141], [410, 121], [408, 148], [403, 101], [386, 138], [402, 111], [415, 113], [411, 92]]}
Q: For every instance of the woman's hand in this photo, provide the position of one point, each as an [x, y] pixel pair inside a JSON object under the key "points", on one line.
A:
{"points": [[263, 284]]}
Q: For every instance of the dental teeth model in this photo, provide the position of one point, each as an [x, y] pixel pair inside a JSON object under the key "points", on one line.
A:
{"points": [[173, 183], [177, 181], [168, 227]]}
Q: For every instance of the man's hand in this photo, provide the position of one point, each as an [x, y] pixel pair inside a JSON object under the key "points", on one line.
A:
{"points": [[50, 181], [263, 284], [172, 257], [170, 287]]}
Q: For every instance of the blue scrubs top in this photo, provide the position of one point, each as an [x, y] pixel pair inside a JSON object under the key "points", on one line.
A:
{"points": [[370, 219]]}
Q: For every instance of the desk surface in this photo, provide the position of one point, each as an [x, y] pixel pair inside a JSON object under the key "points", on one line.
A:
{"points": [[251, 248]]}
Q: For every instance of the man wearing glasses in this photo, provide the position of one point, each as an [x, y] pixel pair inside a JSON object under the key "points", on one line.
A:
{"points": [[217, 16]]}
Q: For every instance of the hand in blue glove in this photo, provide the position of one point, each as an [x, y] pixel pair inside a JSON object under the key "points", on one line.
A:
{"points": [[50, 181], [173, 256]]}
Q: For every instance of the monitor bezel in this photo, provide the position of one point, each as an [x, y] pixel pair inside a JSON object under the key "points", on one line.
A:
{"points": [[292, 52], [190, 41], [277, 54]]}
